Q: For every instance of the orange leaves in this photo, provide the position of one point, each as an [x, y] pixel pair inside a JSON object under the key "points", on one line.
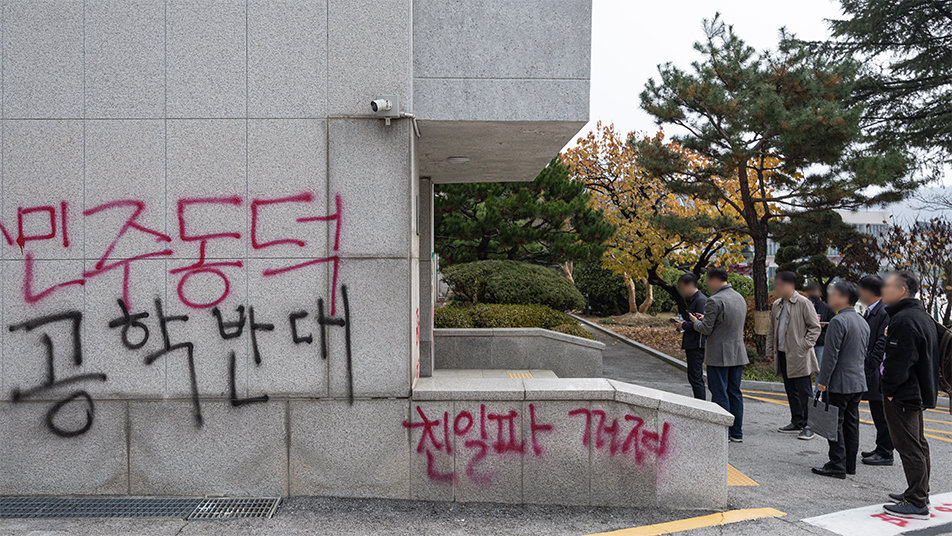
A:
{"points": [[654, 224]]}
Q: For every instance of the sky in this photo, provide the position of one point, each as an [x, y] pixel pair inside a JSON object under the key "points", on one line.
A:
{"points": [[630, 38]]}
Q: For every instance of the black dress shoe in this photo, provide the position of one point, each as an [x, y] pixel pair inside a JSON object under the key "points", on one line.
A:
{"points": [[823, 471], [851, 471], [867, 454], [877, 459]]}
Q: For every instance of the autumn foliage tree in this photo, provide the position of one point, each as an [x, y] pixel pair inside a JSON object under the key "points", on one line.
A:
{"points": [[780, 124], [925, 247], [655, 227]]}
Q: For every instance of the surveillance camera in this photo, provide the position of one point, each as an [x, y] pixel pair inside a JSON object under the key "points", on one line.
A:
{"points": [[381, 105]]}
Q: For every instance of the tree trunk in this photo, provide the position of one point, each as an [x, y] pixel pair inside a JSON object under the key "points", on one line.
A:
{"points": [[482, 249], [632, 294], [649, 297], [568, 268], [947, 280], [759, 274], [672, 291]]}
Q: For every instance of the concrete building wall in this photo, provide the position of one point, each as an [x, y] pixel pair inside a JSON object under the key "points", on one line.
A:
{"points": [[214, 166], [211, 277]]}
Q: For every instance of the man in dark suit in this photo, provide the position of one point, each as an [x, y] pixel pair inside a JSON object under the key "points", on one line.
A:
{"points": [[842, 377], [870, 293], [692, 342]]}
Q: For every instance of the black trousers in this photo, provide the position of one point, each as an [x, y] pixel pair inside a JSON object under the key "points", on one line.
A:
{"points": [[884, 445], [696, 371], [906, 431], [799, 393], [843, 450]]}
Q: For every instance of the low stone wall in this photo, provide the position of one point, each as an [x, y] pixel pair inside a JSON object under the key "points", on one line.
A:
{"points": [[565, 441], [541, 440], [517, 348]]}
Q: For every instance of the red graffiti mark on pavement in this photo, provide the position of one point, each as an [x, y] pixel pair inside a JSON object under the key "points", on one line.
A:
{"points": [[898, 521]]}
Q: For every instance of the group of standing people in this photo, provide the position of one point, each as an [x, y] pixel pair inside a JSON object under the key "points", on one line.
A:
{"points": [[886, 355]]}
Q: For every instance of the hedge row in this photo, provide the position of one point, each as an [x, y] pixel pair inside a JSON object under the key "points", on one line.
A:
{"points": [[512, 282], [507, 316]]}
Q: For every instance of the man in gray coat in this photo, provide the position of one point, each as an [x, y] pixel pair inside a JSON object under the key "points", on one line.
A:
{"points": [[842, 377], [724, 352]]}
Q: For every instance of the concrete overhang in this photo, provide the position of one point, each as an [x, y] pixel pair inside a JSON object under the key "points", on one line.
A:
{"points": [[504, 85], [497, 150]]}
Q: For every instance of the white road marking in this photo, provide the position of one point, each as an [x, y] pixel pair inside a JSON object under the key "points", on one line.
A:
{"points": [[874, 521]]}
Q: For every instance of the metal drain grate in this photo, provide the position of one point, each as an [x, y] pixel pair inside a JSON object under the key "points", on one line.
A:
{"points": [[233, 508], [69, 507]]}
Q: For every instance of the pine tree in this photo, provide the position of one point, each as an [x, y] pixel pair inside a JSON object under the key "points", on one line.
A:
{"points": [[781, 123], [547, 221], [906, 84]]}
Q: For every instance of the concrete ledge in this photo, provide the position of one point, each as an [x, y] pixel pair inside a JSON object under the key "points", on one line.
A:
{"points": [[568, 389], [531, 389], [517, 348], [581, 441], [476, 388]]}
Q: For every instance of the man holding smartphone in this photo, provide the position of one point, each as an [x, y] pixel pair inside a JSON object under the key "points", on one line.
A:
{"points": [[692, 342]]}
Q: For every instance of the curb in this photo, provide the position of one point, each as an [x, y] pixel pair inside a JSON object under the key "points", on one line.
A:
{"points": [[754, 385], [646, 349]]}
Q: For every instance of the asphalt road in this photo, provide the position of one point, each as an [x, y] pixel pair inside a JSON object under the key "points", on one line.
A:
{"points": [[779, 463]]}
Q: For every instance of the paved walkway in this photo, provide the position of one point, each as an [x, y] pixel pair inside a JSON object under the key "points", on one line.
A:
{"points": [[623, 362], [780, 464]]}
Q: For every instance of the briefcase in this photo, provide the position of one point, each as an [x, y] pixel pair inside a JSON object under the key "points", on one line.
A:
{"points": [[823, 417]]}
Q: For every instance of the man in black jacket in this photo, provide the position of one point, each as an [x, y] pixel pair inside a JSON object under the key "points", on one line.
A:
{"points": [[909, 383], [870, 293], [692, 342]]}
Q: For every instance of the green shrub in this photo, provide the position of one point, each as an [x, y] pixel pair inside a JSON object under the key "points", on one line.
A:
{"points": [[741, 283], [573, 329], [604, 289], [507, 316], [511, 282], [452, 317]]}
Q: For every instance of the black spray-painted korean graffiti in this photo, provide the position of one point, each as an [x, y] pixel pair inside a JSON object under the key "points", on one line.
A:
{"points": [[75, 319], [135, 331]]}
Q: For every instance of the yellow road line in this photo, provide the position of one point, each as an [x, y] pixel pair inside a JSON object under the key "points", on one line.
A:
{"points": [[924, 419], [736, 478], [781, 403], [947, 440], [764, 392], [942, 412], [925, 429], [772, 401], [713, 520]]}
